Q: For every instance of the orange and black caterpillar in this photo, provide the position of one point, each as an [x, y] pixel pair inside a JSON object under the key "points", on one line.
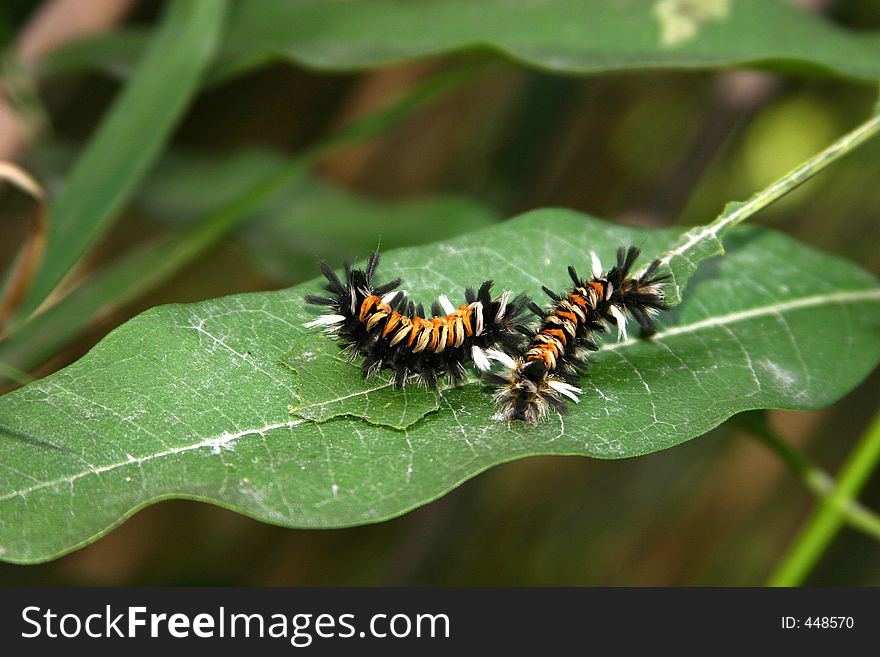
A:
{"points": [[390, 332], [549, 367]]}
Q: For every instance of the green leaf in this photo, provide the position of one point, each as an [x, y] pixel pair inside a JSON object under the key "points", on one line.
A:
{"points": [[566, 36], [196, 400], [563, 36], [114, 53], [129, 139]]}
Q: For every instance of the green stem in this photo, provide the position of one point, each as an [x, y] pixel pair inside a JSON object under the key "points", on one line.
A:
{"points": [[786, 184], [704, 241], [814, 478], [827, 518]]}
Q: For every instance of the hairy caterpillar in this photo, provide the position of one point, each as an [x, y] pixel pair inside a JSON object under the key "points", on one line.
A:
{"points": [[546, 372], [390, 332]]}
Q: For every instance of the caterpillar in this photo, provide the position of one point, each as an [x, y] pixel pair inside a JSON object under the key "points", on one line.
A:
{"points": [[545, 373], [390, 332]]}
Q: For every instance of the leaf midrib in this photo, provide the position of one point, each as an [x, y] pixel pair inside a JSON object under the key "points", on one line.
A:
{"points": [[216, 445], [761, 311]]}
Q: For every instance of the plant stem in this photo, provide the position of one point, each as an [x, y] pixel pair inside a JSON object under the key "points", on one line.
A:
{"points": [[784, 185], [704, 241], [827, 518], [816, 480]]}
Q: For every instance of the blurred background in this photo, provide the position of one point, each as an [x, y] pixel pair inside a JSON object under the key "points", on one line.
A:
{"points": [[652, 149]]}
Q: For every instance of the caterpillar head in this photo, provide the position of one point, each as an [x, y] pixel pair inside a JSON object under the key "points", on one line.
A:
{"points": [[528, 392]]}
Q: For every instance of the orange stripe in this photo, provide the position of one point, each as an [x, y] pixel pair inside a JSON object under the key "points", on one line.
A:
{"points": [[367, 305], [579, 300], [450, 328], [392, 321], [542, 356], [466, 320], [436, 322], [556, 333], [416, 327]]}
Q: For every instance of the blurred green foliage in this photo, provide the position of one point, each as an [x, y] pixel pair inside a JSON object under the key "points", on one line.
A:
{"points": [[648, 149]]}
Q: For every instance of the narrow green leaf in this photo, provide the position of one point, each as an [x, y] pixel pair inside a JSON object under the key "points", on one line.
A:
{"points": [[14, 374], [130, 138], [210, 401]]}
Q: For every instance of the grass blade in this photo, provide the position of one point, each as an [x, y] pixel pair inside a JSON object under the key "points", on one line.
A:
{"points": [[129, 139]]}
